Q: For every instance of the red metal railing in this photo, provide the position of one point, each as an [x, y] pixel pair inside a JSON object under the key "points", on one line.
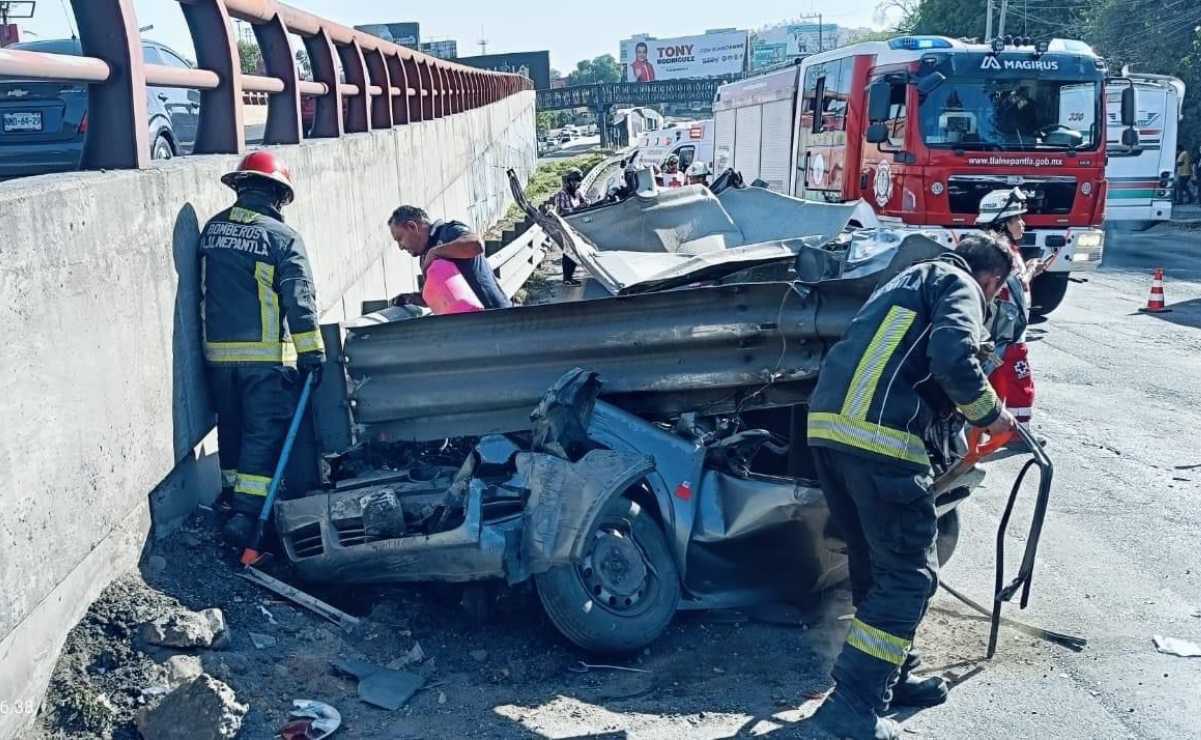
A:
{"points": [[382, 84]]}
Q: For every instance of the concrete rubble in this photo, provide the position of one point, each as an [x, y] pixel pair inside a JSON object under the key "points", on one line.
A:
{"points": [[181, 669], [202, 709], [187, 629]]}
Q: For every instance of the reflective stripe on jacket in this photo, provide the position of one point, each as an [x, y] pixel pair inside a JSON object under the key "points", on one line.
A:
{"points": [[874, 393], [260, 305]]}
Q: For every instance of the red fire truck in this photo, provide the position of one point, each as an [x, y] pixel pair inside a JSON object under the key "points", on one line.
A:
{"points": [[922, 127]]}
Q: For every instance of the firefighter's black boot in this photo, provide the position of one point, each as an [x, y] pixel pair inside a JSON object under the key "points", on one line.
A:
{"points": [[239, 529], [843, 716], [911, 691]]}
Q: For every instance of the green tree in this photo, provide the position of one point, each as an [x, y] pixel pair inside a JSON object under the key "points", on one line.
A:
{"points": [[251, 56], [1158, 36], [552, 119], [590, 71], [968, 18]]}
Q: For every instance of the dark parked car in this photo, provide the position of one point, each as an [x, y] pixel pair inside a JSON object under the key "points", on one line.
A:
{"points": [[43, 123]]}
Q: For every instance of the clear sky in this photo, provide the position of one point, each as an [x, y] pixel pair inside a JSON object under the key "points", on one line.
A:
{"points": [[571, 30]]}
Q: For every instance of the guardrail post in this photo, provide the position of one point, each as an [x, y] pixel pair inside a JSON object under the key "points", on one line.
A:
{"points": [[381, 105], [413, 80], [400, 102], [283, 109], [220, 127], [439, 88], [426, 90], [118, 136], [355, 70], [327, 121]]}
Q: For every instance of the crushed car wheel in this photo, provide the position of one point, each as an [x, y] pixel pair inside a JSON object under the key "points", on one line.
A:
{"points": [[624, 590]]}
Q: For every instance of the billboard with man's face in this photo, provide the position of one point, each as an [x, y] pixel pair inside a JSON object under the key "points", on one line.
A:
{"points": [[711, 55]]}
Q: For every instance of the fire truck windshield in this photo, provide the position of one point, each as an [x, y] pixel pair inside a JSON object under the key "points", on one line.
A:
{"points": [[1011, 114]]}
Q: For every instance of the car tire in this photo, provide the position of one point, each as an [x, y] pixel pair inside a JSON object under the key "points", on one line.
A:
{"points": [[948, 535], [1047, 292], [162, 148], [624, 603]]}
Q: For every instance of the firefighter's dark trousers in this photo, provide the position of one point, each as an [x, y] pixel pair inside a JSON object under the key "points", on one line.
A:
{"points": [[254, 406], [887, 516]]}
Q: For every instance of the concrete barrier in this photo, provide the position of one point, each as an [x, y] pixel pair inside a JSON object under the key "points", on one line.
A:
{"points": [[101, 380]]}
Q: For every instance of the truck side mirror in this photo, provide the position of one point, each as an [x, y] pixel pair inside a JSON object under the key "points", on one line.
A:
{"points": [[1129, 107], [1130, 137], [877, 133], [879, 94]]}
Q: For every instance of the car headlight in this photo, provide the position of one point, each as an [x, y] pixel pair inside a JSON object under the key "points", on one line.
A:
{"points": [[866, 246], [1089, 240]]}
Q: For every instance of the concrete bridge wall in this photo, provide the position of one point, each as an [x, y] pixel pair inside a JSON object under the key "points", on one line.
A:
{"points": [[102, 395]]}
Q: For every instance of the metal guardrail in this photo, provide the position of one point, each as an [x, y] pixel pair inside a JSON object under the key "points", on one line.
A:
{"points": [[515, 263], [383, 84], [717, 348]]}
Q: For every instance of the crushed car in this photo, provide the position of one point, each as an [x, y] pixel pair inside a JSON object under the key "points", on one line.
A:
{"points": [[663, 465]]}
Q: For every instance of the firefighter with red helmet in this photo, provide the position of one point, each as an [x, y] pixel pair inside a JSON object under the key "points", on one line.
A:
{"points": [[1008, 368], [261, 333]]}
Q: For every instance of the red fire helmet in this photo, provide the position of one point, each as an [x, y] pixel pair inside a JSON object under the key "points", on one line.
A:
{"points": [[262, 164]]}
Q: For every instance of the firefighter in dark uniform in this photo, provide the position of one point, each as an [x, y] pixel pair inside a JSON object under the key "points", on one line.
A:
{"points": [[261, 334], [910, 354]]}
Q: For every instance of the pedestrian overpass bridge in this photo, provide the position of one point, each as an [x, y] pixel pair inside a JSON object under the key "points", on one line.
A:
{"points": [[103, 393], [600, 98]]}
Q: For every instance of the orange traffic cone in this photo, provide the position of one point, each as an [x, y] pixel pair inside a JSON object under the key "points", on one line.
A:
{"points": [[1155, 302]]}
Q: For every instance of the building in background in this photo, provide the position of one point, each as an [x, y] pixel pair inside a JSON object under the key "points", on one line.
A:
{"points": [[787, 42], [405, 34], [444, 49], [628, 124], [532, 64], [715, 53]]}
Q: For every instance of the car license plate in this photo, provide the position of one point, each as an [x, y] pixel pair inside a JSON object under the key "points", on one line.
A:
{"points": [[22, 122]]}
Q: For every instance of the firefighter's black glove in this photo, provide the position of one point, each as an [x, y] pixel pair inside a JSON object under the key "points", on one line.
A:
{"points": [[311, 364]]}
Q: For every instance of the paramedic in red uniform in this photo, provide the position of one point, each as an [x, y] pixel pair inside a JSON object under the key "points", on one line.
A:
{"points": [[1008, 368]]}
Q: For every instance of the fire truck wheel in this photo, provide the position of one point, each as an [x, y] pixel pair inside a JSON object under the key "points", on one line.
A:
{"points": [[1047, 292]]}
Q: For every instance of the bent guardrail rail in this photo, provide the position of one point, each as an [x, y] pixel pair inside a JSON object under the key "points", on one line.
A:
{"points": [[384, 84]]}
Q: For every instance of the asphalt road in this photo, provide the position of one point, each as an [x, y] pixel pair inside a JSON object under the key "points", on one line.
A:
{"points": [[1119, 561]]}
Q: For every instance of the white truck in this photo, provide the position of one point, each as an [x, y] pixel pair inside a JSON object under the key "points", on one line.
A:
{"points": [[1141, 180], [690, 141]]}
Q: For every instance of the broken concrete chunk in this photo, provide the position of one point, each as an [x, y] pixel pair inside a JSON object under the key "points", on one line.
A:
{"points": [[1176, 646], [187, 629], [181, 669], [202, 709]]}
